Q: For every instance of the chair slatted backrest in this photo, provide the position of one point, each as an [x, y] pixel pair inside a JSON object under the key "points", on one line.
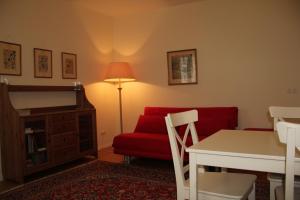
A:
{"points": [[282, 113], [174, 120], [289, 133]]}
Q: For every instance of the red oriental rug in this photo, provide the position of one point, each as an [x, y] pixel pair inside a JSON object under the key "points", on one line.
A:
{"points": [[103, 180]]}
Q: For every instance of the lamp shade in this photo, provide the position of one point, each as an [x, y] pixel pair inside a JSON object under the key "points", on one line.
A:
{"points": [[119, 72]]}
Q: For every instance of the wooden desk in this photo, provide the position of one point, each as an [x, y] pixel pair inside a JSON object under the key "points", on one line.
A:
{"points": [[239, 149]]}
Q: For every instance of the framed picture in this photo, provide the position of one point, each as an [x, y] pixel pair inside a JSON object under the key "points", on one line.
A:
{"points": [[10, 59], [182, 67], [42, 63], [69, 65]]}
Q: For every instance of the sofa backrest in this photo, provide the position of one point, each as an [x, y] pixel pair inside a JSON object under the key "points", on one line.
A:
{"points": [[210, 119]]}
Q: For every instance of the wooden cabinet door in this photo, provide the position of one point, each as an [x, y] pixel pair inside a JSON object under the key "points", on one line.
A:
{"points": [[36, 146], [64, 138], [87, 133]]}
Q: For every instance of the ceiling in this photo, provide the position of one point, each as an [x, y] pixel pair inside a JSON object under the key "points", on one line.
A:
{"points": [[116, 8]]}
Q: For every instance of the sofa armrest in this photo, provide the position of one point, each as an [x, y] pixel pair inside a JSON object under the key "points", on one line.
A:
{"points": [[151, 124]]}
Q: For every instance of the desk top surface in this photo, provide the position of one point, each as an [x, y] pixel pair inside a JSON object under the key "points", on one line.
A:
{"points": [[254, 144]]}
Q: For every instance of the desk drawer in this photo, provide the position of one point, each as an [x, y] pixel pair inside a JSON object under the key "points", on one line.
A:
{"points": [[63, 117], [65, 154], [63, 126], [63, 140], [61, 123]]}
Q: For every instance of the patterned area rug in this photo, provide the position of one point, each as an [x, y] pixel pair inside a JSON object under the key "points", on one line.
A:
{"points": [[108, 181]]}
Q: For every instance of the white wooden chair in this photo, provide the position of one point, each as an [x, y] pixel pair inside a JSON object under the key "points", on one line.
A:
{"points": [[281, 114], [212, 185], [289, 133]]}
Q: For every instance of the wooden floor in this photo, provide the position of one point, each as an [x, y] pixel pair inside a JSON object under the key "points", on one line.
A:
{"points": [[105, 154], [7, 185]]}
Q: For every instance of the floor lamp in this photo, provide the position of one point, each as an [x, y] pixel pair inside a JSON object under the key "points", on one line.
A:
{"points": [[119, 72]]}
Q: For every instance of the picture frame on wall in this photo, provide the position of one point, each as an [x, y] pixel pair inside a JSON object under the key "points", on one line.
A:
{"points": [[42, 63], [10, 59], [182, 67], [69, 65]]}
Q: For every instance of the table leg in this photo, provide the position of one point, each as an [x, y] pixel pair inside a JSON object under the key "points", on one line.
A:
{"points": [[193, 176]]}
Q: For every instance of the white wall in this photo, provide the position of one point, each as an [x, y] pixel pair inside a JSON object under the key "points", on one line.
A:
{"points": [[248, 56], [63, 26]]}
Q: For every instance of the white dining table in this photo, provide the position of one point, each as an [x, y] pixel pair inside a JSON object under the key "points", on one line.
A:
{"points": [[238, 149]]}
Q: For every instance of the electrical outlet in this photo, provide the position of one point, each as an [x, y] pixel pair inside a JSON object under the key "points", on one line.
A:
{"points": [[292, 91]]}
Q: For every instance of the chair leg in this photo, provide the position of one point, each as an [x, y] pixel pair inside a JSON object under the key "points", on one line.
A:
{"points": [[252, 193], [224, 170], [127, 160], [273, 184], [182, 195], [272, 191], [277, 182]]}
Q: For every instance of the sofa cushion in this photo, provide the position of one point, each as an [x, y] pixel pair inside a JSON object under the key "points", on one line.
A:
{"points": [[143, 142], [222, 113], [230, 113], [163, 111], [151, 124], [209, 126], [152, 145], [206, 127]]}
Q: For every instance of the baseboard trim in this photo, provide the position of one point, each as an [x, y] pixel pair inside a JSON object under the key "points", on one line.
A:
{"points": [[104, 146]]}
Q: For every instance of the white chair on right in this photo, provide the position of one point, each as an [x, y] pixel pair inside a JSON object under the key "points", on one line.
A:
{"points": [[289, 133], [281, 114], [211, 185]]}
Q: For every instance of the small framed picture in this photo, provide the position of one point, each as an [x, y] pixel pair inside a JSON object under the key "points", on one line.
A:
{"points": [[10, 59], [69, 65], [42, 63], [182, 67]]}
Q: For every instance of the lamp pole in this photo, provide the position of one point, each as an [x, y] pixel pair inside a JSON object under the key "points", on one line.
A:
{"points": [[117, 73], [120, 105]]}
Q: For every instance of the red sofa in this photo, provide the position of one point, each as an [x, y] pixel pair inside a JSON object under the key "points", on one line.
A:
{"points": [[150, 137]]}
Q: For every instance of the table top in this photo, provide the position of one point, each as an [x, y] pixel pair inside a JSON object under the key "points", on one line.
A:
{"points": [[254, 144]]}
